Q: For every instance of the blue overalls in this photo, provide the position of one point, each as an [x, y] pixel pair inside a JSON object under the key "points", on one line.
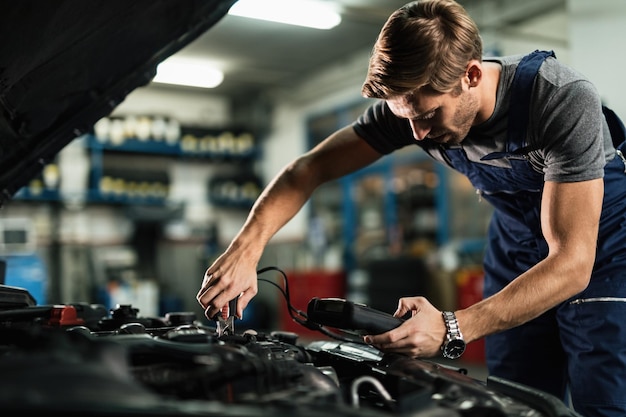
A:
{"points": [[582, 342]]}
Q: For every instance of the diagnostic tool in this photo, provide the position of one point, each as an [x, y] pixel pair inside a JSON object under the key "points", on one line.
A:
{"points": [[348, 315]]}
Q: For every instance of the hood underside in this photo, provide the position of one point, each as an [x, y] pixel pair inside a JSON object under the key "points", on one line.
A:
{"points": [[65, 64]]}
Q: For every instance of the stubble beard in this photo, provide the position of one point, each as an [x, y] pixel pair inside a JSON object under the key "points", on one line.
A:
{"points": [[462, 120]]}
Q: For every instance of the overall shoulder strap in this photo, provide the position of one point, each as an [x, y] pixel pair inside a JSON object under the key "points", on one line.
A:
{"points": [[519, 108], [521, 90]]}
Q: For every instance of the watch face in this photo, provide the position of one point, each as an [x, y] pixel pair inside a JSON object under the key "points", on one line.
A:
{"points": [[454, 349]]}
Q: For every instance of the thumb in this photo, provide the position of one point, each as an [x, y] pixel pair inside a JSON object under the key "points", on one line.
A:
{"points": [[401, 310], [376, 339]]}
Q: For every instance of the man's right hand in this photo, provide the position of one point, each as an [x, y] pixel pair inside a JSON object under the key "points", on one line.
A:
{"points": [[228, 277]]}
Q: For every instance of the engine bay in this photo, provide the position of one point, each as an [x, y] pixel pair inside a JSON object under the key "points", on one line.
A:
{"points": [[77, 359]]}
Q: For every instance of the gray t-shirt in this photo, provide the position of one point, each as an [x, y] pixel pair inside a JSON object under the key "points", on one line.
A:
{"points": [[567, 132]]}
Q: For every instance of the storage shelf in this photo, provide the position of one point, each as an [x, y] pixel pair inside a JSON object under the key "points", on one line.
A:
{"points": [[177, 149], [99, 150], [91, 197]]}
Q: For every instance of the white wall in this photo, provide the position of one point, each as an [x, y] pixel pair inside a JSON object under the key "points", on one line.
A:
{"points": [[546, 32], [597, 30], [588, 35], [193, 107]]}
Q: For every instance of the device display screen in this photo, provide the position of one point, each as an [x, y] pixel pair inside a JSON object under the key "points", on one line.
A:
{"points": [[332, 307]]}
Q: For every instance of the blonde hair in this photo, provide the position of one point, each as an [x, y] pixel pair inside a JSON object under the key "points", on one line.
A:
{"points": [[425, 43]]}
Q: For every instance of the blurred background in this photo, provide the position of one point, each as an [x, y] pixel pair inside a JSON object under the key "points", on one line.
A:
{"points": [[135, 211]]}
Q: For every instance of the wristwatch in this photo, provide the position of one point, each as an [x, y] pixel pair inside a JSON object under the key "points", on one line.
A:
{"points": [[454, 345]]}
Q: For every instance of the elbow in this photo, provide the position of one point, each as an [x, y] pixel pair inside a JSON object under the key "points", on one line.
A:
{"points": [[307, 170], [297, 170], [580, 283], [301, 174], [579, 269], [572, 260], [572, 268]]}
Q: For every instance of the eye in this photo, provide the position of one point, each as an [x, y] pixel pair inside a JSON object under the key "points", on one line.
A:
{"points": [[427, 116]]}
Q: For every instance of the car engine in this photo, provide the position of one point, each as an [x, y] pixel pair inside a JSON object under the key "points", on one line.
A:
{"points": [[80, 359]]}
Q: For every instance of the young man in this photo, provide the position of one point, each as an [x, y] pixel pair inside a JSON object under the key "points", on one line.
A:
{"points": [[531, 136]]}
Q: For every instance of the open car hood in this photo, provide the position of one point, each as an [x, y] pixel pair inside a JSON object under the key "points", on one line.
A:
{"points": [[65, 64]]}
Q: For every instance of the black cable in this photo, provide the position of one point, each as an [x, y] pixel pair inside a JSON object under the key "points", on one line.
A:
{"points": [[298, 316], [292, 310]]}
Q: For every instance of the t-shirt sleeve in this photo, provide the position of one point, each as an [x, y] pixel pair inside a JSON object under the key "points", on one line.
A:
{"points": [[382, 130], [573, 132]]}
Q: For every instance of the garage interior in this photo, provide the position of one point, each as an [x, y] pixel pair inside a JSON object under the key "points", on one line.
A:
{"points": [[134, 211]]}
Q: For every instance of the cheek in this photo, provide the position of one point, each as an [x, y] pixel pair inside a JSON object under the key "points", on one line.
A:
{"points": [[466, 110], [444, 119]]}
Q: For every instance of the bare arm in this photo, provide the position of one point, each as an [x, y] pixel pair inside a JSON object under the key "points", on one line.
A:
{"points": [[234, 272], [570, 214]]}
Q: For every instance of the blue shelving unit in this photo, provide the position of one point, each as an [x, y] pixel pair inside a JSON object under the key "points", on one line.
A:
{"points": [[385, 169], [177, 149], [97, 150], [319, 126]]}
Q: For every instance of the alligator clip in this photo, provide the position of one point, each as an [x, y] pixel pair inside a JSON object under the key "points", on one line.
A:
{"points": [[225, 319]]}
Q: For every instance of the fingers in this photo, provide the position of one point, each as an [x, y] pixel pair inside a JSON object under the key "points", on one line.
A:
{"points": [[213, 294], [217, 290], [413, 304], [399, 343], [388, 339], [402, 308], [208, 290], [244, 299], [419, 336], [208, 279], [215, 303]]}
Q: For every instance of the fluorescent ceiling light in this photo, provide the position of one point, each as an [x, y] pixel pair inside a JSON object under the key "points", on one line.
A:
{"points": [[191, 72], [308, 13]]}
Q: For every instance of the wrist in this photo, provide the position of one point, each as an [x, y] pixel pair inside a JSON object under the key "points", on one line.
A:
{"points": [[453, 345]]}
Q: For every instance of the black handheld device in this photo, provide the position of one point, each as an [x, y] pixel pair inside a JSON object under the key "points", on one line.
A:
{"points": [[348, 315]]}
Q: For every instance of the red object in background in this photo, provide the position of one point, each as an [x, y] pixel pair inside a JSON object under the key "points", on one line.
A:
{"points": [[304, 285], [62, 315], [470, 291]]}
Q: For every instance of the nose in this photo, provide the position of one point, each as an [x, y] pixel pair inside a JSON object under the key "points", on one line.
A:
{"points": [[420, 129]]}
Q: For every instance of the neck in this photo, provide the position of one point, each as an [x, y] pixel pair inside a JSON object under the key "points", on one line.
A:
{"points": [[489, 84]]}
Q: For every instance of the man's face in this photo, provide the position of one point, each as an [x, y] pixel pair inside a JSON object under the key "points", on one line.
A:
{"points": [[443, 118]]}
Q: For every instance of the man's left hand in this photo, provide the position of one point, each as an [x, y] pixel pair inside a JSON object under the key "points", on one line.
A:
{"points": [[420, 336]]}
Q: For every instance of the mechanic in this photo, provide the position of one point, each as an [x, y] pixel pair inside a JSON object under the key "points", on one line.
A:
{"points": [[533, 137]]}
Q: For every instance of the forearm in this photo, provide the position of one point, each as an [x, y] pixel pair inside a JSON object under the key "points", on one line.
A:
{"points": [[542, 287], [289, 191], [570, 214]]}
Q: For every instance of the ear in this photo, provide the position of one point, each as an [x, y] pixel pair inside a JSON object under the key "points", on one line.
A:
{"points": [[474, 73]]}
